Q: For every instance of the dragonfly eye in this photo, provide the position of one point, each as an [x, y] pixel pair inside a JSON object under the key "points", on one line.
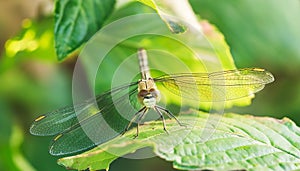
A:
{"points": [[143, 93], [155, 93], [152, 90]]}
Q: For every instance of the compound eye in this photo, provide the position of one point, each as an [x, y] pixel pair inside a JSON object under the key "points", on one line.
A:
{"points": [[154, 92], [143, 93]]}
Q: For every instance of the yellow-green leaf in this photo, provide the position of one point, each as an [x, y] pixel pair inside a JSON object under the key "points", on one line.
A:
{"points": [[210, 141]]}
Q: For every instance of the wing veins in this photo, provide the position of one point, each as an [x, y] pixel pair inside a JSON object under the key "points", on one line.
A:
{"points": [[78, 124]]}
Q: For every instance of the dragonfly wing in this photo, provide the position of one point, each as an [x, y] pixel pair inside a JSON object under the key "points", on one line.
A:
{"points": [[217, 86], [74, 139], [62, 119], [94, 129], [56, 121]]}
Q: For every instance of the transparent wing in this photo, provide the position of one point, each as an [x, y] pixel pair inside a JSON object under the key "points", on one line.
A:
{"points": [[91, 124], [217, 86]]}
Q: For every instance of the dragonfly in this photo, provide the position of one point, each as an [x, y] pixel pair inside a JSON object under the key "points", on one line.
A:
{"points": [[83, 126]]}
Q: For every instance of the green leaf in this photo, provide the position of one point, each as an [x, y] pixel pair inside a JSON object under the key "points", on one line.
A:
{"points": [[76, 21], [253, 38], [150, 3], [228, 142], [167, 12], [99, 158], [215, 52]]}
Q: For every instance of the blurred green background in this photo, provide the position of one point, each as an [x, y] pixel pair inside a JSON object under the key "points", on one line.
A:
{"points": [[262, 34]]}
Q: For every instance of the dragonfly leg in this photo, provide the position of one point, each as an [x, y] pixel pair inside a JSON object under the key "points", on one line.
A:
{"points": [[162, 117], [139, 121], [131, 121], [170, 114]]}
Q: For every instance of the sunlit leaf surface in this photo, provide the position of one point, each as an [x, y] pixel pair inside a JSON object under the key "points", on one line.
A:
{"points": [[235, 142]]}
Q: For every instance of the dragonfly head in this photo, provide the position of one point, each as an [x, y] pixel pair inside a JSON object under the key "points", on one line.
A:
{"points": [[148, 94]]}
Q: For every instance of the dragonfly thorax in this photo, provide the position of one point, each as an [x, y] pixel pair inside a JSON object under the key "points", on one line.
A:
{"points": [[148, 94]]}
